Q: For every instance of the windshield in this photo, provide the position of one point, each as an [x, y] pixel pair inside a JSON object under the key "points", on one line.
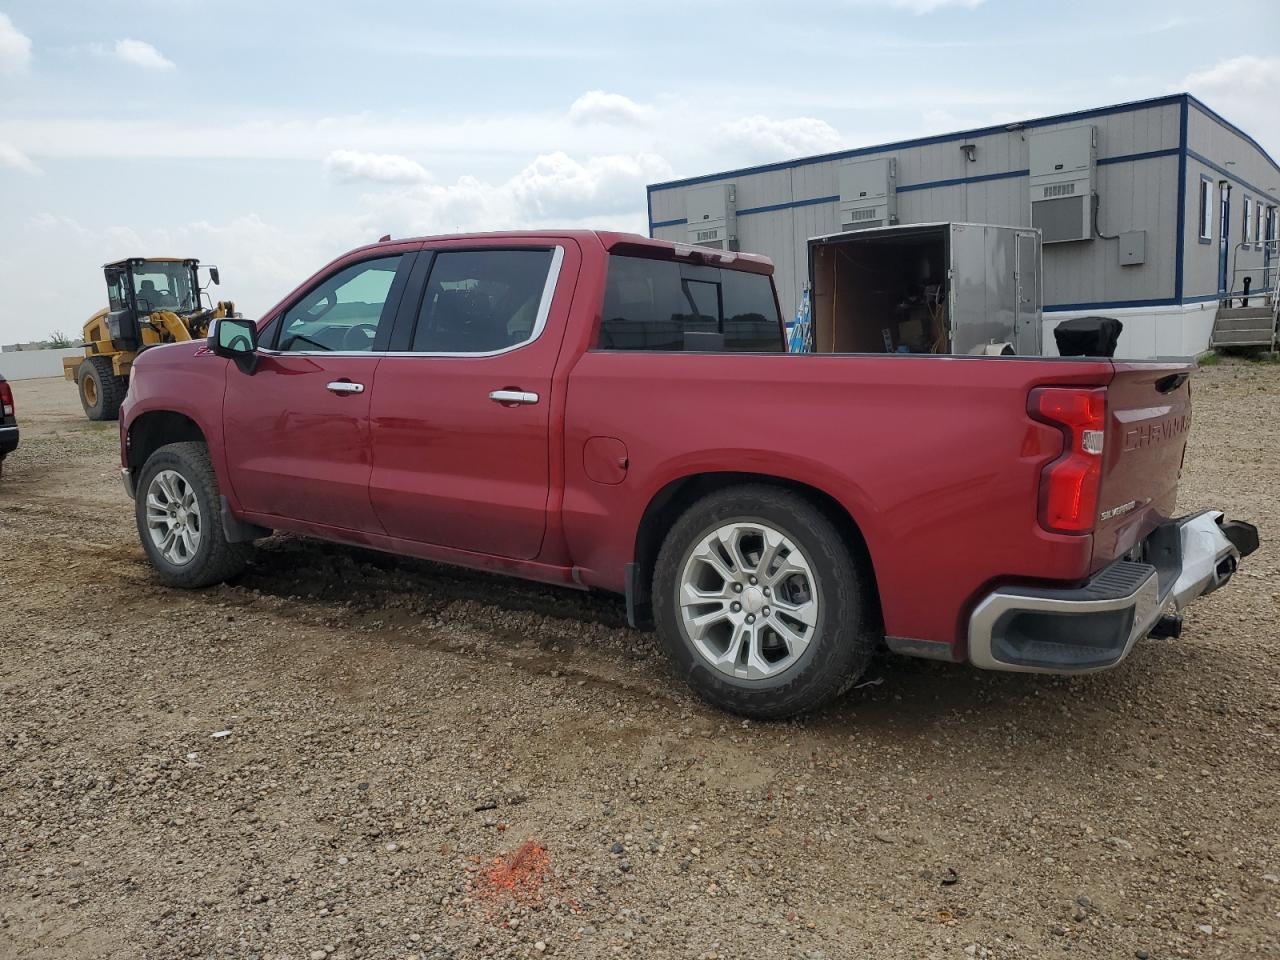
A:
{"points": [[164, 286]]}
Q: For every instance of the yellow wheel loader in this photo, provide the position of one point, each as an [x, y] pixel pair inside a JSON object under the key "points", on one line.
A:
{"points": [[150, 301]]}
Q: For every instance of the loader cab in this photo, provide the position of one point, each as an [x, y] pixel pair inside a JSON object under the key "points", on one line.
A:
{"points": [[138, 287]]}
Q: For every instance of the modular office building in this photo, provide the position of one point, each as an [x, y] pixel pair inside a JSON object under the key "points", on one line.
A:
{"points": [[1153, 212]]}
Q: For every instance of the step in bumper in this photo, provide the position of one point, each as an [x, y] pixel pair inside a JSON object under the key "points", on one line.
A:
{"points": [[1093, 627]]}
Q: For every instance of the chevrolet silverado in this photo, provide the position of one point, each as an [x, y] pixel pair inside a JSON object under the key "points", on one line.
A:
{"points": [[602, 410]]}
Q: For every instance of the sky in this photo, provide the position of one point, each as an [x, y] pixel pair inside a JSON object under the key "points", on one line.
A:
{"points": [[270, 137]]}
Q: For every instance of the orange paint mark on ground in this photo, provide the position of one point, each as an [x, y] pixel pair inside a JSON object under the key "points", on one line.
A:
{"points": [[519, 875]]}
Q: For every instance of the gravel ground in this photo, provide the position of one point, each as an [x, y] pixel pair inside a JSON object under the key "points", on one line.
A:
{"points": [[345, 755]]}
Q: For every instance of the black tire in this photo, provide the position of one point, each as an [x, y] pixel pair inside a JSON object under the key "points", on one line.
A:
{"points": [[101, 391], [214, 559], [843, 638]]}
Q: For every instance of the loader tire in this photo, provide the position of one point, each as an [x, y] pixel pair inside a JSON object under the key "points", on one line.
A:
{"points": [[178, 508], [101, 391]]}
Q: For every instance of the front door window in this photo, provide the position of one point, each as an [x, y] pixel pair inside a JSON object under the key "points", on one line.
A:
{"points": [[345, 312]]}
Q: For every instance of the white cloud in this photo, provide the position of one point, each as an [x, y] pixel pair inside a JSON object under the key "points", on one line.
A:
{"points": [[1243, 90], [556, 185], [260, 261], [929, 6], [922, 6], [142, 54], [351, 165], [1246, 74], [15, 47], [11, 156], [597, 106], [554, 190], [489, 146], [762, 138], [940, 120]]}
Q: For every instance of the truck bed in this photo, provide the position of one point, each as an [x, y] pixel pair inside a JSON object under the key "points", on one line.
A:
{"points": [[936, 458]]}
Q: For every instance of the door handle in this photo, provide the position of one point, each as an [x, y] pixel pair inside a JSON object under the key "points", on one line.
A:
{"points": [[344, 386], [513, 396]]}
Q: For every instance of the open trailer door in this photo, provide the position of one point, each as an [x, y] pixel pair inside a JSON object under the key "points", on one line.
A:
{"points": [[934, 288], [1029, 296]]}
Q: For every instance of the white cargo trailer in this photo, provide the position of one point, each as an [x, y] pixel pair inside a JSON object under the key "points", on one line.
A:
{"points": [[957, 288]]}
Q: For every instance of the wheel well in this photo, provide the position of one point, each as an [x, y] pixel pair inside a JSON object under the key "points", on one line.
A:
{"points": [[676, 497], [151, 431]]}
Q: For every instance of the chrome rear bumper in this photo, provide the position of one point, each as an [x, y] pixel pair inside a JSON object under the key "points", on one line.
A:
{"points": [[1093, 627]]}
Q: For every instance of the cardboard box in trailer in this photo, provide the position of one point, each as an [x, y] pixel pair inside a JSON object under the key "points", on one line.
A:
{"points": [[958, 288]]}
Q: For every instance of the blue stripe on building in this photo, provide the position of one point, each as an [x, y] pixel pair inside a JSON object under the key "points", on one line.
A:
{"points": [[909, 187]]}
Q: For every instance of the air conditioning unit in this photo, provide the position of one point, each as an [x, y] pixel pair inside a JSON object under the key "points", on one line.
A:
{"points": [[1063, 167], [868, 193], [711, 212]]}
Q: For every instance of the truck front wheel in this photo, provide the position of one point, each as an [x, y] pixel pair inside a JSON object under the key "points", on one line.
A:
{"points": [[179, 515], [101, 391], [760, 603]]}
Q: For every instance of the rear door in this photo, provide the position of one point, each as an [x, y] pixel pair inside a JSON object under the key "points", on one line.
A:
{"points": [[461, 408], [1148, 419], [297, 429]]}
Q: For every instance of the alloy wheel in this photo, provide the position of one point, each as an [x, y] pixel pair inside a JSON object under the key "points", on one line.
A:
{"points": [[748, 600]]}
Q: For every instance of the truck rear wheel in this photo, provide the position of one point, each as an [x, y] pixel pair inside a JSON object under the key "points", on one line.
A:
{"points": [[179, 515], [101, 391], [760, 603]]}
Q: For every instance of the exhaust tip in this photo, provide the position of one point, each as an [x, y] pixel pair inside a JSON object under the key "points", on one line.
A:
{"points": [[1225, 569]]}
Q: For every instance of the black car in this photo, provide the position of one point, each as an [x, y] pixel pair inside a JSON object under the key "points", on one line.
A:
{"points": [[8, 422]]}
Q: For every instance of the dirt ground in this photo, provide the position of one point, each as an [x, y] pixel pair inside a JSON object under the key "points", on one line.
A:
{"points": [[343, 753]]}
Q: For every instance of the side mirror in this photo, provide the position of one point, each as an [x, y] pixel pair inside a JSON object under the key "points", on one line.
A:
{"points": [[236, 339], [213, 275]]}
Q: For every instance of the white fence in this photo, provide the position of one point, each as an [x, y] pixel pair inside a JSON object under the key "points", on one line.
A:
{"points": [[32, 364]]}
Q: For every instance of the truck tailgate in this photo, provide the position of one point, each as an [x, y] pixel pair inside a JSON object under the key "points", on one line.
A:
{"points": [[1148, 419]]}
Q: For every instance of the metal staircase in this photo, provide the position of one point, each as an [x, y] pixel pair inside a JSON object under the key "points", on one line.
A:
{"points": [[1254, 324], [1245, 327]]}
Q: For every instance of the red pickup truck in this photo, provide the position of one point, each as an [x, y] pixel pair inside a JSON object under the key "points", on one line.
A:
{"points": [[602, 410]]}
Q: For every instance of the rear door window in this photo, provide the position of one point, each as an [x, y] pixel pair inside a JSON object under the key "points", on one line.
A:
{"points": [[661, 305], [483, 301]]}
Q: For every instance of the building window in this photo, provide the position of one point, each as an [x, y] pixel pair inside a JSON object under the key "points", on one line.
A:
{"points": [[1206, 208], [1257, 221], [1246, 223], [1271, 224]]}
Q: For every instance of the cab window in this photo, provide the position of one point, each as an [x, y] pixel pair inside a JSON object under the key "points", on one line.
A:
{"points": [[661, 305], [116, 290]]}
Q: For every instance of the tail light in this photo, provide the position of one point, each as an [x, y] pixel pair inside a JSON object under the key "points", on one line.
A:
{"points": [[6, 399], [1069, 485]]}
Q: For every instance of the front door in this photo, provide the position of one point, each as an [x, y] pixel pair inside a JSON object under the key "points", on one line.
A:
{"points": [[461, 411], [1269, 250], [1224, 241], [297, 429]]}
